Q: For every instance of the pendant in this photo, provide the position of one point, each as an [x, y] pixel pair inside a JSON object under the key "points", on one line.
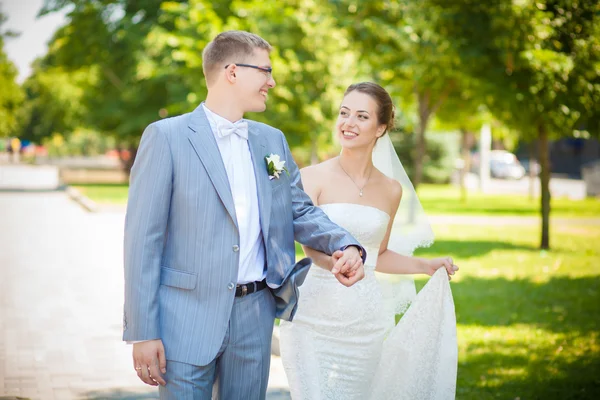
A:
{"points": [[360, 194]]}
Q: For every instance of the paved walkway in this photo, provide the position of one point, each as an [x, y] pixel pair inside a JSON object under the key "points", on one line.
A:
{"points": [[61, 301]]}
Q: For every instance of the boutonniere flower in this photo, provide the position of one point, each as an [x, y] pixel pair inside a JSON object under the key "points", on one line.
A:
{"points": [[275, 166]]}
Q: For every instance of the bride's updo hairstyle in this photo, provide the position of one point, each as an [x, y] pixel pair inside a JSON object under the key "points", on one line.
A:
{"points": [[385, 107]]}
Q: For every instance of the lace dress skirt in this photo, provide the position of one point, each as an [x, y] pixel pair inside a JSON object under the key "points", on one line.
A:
{"points": [[332, 348]]}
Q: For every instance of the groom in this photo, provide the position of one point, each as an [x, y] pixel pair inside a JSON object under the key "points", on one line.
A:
{"points": [[209, 235]]}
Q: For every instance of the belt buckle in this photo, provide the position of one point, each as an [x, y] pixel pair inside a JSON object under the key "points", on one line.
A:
{"points": [[244, 290]]}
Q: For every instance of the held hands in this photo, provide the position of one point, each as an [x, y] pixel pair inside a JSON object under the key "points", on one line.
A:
{"points": [[149, 361], [347, 266], [434, 264]]}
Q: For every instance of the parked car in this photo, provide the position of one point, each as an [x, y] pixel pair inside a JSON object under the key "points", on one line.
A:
{"points": [[503, 165]]}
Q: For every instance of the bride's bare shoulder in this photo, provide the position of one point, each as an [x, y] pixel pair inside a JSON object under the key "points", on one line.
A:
{"points": [[317, 173], [395, 189], [390, 190]]}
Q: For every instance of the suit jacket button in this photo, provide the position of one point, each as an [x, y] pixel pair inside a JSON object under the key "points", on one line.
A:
{"points": [[231, 286], [236, 248]]}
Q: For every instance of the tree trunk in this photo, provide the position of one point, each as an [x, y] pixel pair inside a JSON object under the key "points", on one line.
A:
{"points": [[466, 167], [545, 186], [532, 168], [421, 143], [127, 161], [427, 108], [420, 149]]}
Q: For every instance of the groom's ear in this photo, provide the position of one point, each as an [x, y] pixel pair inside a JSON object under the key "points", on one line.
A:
{"points": [[230, 73]]}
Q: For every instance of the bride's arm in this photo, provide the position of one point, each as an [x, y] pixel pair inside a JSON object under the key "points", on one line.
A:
{"points": [[320, 259], [390, 262]]}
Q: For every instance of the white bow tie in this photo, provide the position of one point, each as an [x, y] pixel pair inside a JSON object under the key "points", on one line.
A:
{"points": [[240, 128]]}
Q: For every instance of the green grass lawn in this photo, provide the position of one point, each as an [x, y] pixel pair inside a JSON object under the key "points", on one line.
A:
{"points": [[436, 199], [528, 320], [445, 200], [109, 193]]}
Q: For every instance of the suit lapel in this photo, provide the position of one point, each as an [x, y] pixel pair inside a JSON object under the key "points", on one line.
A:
{"points": [[205, 146], [258, 149]]}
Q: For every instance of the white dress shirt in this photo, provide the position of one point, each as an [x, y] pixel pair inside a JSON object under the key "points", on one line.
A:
{"points": [[240, 171]]}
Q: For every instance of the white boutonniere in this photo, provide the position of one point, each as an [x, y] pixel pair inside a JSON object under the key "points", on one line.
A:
{"points": [[275, 166]]}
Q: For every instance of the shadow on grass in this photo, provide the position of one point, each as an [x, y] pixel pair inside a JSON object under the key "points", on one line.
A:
{"points": [[511, 368], [501, 370], [561, 304], [461, 249]]}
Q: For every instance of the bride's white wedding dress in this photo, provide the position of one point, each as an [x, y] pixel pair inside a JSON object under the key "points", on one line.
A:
{"points": [[342, 343]]}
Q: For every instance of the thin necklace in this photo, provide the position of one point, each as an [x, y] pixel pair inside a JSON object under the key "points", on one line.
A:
{"points": [[360, 193]]}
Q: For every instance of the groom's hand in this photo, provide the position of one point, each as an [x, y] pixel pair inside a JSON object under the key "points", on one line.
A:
{"points": [[348, 266], [149, 361], [346, 260]]}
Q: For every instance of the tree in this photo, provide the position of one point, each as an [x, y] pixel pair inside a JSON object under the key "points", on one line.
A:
{"points": [[11, 95], [538, 67], [53, 102], [110, 39]]}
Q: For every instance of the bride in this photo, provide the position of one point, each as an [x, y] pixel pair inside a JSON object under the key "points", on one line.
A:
{"points": [[343, 342]]}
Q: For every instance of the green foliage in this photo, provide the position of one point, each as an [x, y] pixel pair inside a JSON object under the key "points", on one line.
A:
{"points": [[11, 95], [54, 101], [111, 40], [540, 63]]}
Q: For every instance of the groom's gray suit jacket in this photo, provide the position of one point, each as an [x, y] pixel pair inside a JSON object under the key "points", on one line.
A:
{"points": [[181, 235]]}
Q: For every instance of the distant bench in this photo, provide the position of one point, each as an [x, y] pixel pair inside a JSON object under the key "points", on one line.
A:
{"points": [[71, 176]]}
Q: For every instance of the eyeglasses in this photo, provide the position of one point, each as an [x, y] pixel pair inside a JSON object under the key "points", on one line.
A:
{"points": [[267, 70]]}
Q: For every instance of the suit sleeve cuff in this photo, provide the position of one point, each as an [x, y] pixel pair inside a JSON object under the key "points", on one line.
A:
{"points": [[361, 251]]}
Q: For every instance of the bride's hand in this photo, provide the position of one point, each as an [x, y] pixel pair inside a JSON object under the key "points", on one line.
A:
{"points": [[434, 264], [350, 278]]}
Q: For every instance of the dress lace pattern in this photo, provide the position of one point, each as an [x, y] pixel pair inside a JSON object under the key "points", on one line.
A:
{"points": [[343, 345]]}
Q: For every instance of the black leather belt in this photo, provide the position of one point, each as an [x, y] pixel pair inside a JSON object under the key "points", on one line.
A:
{"points": [[247, 288]]}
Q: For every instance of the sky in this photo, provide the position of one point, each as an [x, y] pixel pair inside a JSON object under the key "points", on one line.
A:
{"points": [[35, 32]]}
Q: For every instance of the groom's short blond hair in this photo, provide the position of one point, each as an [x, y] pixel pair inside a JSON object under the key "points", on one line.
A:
{"points": [[229, 47]]}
